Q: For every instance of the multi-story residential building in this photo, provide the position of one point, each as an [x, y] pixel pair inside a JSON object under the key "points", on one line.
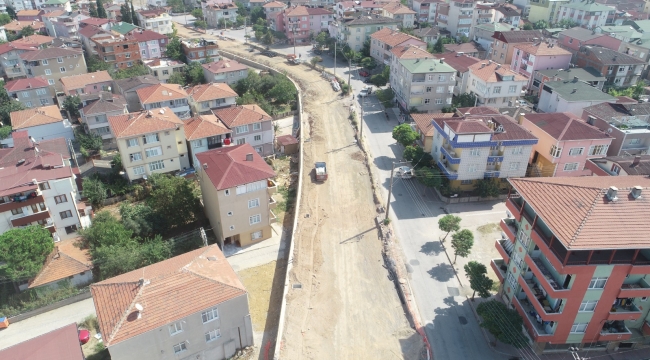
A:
{"points": [[54, 64], [461, 64], [16, 27], [506, 14], [129, 89], [157, 20], [424, 127], [527, 58], [102, 23], [19, 5], [217, 14], [429, 35], [426, 10], [11, 64], [423, 84], [250, 125], [570, 96], [573, 283], [357, 30], [95, 114], [118, 51], [460, 16], [481, 144], [205, 132], [588, 14], [385, 39], [403, 52], [31, 92], [60, 344], [237, 185], [162, 69], [63, 25], [213, 326], [202, 51], [546, 10], [88, 32], [572, 39], [42, 123], [273, 6], [469, 48], [588, 75], [299, 23], [171, 96], [619, 69], [122, 28], [638, 46], [495, 85], [565, 144], [151, 141], [627, 124], [37, 186], [89, 83], [483, 34], [51, 5], [225, 71], [401, 13], [209, 96], [504, 43], [152, 44], [29, 15], [620, 165]]}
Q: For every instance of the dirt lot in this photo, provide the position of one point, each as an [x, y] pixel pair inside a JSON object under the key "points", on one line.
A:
{"points": [[347, 307]]}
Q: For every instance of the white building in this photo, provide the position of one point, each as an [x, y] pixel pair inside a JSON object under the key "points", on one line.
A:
{"points": [[357, 30], [156, 20], [570, 96], [205, 97], [426, 10], [495, 85], [588, 14], [162, 69], [42, 123], [424, 84], [172, 96]]}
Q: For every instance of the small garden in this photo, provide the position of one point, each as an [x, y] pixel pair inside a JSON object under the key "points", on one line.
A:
{"points": [[274, 93]]}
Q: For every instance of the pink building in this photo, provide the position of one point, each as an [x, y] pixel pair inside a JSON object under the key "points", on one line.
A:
{"points": [[90, 83], [528, 57], [565, 143], [572, 39], [152, 45], [298, 22]]}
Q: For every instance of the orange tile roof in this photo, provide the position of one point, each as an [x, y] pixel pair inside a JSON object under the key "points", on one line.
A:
{"points": [[493, 72], [80, 81], [393, 37], [65, 260], [398, 8], [28, 12], [241, 115], [225, 65], [410, 52], [144, 122], [205, 92], [274, 4], [161, 92], [580, 215], [542, 49], [423, 121], [167, 291], [34, 40], [54, 13], [203, 126], [227, 167], [19, 25], [37, 116]]}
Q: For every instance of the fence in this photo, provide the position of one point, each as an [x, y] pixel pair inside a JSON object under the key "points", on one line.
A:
{"points": [[467, 199], [71, 300]]}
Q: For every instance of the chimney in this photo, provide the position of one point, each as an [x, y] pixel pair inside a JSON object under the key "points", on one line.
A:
{"points": [[575, 79], [442, 60], [611, 193], [636, 192], [249, 157], [637, 160], [520, 119], [614, 59]]}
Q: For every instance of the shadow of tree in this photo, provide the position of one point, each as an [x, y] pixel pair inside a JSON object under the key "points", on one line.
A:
{"points": [[442, 272], [431, 248]]}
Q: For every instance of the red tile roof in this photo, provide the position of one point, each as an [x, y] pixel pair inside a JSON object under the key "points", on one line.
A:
{"points": [[203, 126], [59, 344], [167, 291], [144, 122], [410, 52], [578, 212], [542, 49], [460, 63], [95, 21], [161, 92], [424, 121], [285, 140], [24, 84], [398, 8], [35, 116], [80, 81], [206, 92], [393, 37], [242, 115], [494, 72], [65, 260], [225, 65], [227, 167], [146, 35], [565, 127], [50, 53]]}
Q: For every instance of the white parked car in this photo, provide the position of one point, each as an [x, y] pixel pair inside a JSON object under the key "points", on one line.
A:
{"points": [[404, 172]]}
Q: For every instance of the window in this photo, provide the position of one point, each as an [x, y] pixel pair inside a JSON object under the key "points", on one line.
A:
{"points": [[472, 168], [138, 170], [517, 150], [571, 166], [576, 151], [65, 214], [179, 348], [241, 141], [588, 305], [253, 203], [44, 62], [255, 219], [62, 69], [227, 192], [151, 138], [232, 227], [579, 328], [135, 156], [241, 129], [597, 283], [44, 186], [175, 328], [496, 90], [512, 280], [512, 89], [153, 152], [257, 138], [427, 101], [50, 81], [211, 314], [598, 149], [636, 141], [17, 211], [256, 235], [556, 151], [60, 199], [131, 142], [165, 72], [257, 126], [259, 150], [156, 165], [212, 335], [475, 152], [41, 91], [440, 89], [441, 78], [466, 182], [514, 166], [438, 101], [42, 206], [523, 238], [44, 101], [429, 89]]}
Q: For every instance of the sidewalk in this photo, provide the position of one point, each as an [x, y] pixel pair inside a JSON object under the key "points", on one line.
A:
{"points": [[258, 254]]}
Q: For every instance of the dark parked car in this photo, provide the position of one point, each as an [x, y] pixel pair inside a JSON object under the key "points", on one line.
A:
{"points": [[269, 53], [364, 73], [318, 51]]}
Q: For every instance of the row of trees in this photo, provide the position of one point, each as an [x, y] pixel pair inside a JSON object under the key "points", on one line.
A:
{"points": [[97, 9], [543, 24]]}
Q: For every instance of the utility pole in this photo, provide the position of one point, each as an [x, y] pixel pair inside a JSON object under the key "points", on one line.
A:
{"points": [[363, 100], [390, 189], [294, 40], [335, 42], [350, 74]]}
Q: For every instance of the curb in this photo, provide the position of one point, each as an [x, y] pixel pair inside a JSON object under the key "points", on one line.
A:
{"points": [[451, 264]]}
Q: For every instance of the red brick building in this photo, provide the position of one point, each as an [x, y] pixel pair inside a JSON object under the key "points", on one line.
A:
{"points": [[118, 50]]}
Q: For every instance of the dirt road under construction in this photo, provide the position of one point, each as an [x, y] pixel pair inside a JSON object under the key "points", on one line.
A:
{"points": [[344, 305]]}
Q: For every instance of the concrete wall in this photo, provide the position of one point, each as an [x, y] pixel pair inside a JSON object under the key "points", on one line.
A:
{"points": [[51, 131], [230, 77], [33, 99]]}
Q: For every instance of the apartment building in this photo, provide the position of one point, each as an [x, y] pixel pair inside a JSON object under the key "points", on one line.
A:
{"points": [[224, 71], [51, 5], [209, 96], [459, 17], [527, 58], [480, 144], [171, 96], [426, 10], [200, 51], [385, 39], [273, 6], [16, 27], [424, 84], [118, 51], [298, 23], [205, 132], [250, 125], [11, 65], [619, 69], [152, 45], [129, 89], [38, 187], [588, 75], [401, 13], [19, 5], [483, 34], [237, 185], [503, 43], [506, 14], [572, 39], [573, 283], [469, 48], [495, 85], [42, 123], [54, 64], [570, 96], [95, 114], [589, 14], [89, 83], [31, 92], [424, 128], [217, 14], [357, 30], [461, 64], [429, 35], [627, 124], [565, 144], [620, 165], [151, 141], [156, 20], [638, 45], [65, 25], [163, 69], [214, 325]]}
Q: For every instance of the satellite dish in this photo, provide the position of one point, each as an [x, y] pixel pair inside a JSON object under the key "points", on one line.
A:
{"points": [[609, 131], [139, 307]]}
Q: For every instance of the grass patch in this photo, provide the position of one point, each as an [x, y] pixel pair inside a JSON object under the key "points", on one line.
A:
{"points": [[90, 323], [287, 203], [101, 355], [15, 304], [488, 228]]}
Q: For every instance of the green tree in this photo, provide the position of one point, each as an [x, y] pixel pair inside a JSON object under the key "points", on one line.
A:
{"points": [[633, 91], [5, 131], [23, 251], [567, 23], [240, 20], [94, 64], [201, 24], [178, 6], [449, 223], [134, 16], [321, 39], [11, 12], [126, 13], [5, 19], [197, 13], [101, 11], [105, 230], [464, 100], [463, 39], [438, 47], [404, 134], [315, 60], [130, 72], [478, 279], [487, 187], [429, 177], [268, 38], [528, 26], [241, 9], [417, 156], [72, 104], [177, 77], [365, 49], [194, 74], [92, 9], [385, 97], [94, 190], [7, 106], [257, 13], [89, 141], [27, 31], [368, 63], [175, 50], [541, 24], [462, 242], [283, 92], [502, 322], [174, 200], [140, 219]]}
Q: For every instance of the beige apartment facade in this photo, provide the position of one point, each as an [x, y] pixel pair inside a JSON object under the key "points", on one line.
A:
{"points": [[54, 63]]}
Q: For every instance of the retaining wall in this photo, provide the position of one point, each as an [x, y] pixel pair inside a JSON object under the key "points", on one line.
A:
{"points": [[56, 305]]}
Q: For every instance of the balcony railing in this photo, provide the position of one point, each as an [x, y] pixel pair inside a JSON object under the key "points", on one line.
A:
{"points": [[272, 203], [614, 330], [215, 145], [272, 217], [450, 154], [499, 266], [510, 227], [623, 309], [451, 174], [541, 303], [640, 288], [271, 187], [531, 322], [545, 276], [505, 248]]}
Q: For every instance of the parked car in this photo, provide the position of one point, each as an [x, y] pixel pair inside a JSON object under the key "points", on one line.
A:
{"points": [[365, 91], [320, 171], [84, 336], [269, 53], [404, 172], [318, 51], [364, 73], [523, 103]]}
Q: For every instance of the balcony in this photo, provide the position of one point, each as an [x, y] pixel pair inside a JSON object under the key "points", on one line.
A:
{"points": [[500, 268], [417, 92], [614, 330], [639, 289], [491, 174], [504, 247], [535, 297], [451, 174], [536, 328], [495, 158], [272, 218], [20, 201], [510, 227], [554, 287], [272, 203], [450, 154], [513, 204], [22, 219], [624, 310], [215, 145], [271, 187]]}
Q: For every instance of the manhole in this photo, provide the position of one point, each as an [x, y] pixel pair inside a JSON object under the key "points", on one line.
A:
{"points": [[453, 291], [463, 320], [414, 262], [297, 286]]}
